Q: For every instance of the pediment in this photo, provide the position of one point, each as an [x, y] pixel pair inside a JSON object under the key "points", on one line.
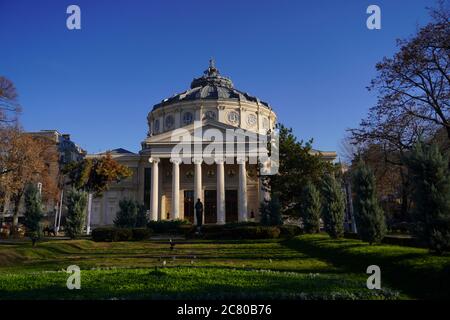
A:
{"points": [[205, 126]]}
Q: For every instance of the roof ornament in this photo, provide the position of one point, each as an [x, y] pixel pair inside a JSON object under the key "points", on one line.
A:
{"points": [[212, 71]]}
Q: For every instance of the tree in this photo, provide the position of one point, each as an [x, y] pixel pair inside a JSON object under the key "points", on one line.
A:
{"points": [[141, 218], [270, 212], [33, 213], [311, 208], [95, 175], [333, 206], [298, 165], [413, 101], [9, 107], [416, 80], [430, 177], [131, 214], [24, 159], [368, 213], [76, 212]]}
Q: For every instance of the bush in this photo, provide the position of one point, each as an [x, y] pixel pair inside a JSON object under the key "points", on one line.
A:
{"points": [[139, 234], [131, 214], [111, 234], [240, 232], [104, 234], [169, 226], [270, 212], [289, 230]]}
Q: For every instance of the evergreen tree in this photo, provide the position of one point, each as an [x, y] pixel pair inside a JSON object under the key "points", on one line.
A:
{"points": [[270, 212], [33, 213], [333, 206], [131, 214], [76, 212], [141, 218], [429, 171], [368, 213], [310, 208], [126, 217]]}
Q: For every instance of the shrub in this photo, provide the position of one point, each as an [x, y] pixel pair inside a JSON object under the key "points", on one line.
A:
{"points": [[270, 212], [241, 232], [123, 234], [310, 208], [289, 230], [368, 213], [111, 234], [333, 206], [139, 234], [131, 214], [104, 234], [430, 178], [76, 212], [169, 226]]}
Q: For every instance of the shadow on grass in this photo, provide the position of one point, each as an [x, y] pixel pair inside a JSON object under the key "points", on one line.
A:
{"points": [[416, 274]]}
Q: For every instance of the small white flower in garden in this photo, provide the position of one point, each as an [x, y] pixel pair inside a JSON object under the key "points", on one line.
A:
{"points": [[192, 261], [270, 260], [164, 262]]}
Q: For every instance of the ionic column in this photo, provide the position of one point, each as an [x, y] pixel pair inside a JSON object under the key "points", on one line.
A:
{"points": [[197, 184], [220, 192], [242, 191], [175, 188], [154, 189]]}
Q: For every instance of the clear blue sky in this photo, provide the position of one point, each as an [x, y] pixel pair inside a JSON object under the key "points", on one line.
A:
{"points": [[311, 60]]}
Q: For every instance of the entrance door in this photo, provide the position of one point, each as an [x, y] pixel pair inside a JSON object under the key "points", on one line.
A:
{"points": [[231, 207], [210, 206], [189, 205]]}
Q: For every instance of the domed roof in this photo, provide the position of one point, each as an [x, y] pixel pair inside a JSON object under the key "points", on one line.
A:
{"points": [[210, 86]]}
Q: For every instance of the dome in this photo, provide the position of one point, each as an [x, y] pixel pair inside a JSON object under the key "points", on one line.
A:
{"points": [[210, 86]]}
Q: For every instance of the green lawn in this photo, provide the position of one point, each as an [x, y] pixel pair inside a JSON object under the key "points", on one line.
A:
{"points": [[307, 267]]}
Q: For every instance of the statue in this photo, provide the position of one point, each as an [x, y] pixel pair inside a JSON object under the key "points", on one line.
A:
{"points": [[199, 212]]}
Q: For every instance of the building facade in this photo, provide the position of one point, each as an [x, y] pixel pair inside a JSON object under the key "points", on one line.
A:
{"points": [[204, 143]]}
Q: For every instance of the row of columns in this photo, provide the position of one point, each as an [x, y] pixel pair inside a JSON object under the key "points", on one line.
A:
{"points": [[198, 194]]}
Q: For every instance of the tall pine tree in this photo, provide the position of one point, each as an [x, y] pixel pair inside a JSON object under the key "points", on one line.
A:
{"points": [[333, 206], [368, 213], [33, 213], [310, 208], [76, 212], [430, 177]]}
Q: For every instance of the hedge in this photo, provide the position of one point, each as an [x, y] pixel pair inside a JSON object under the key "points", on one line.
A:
{"points": [[237, 232], [111, 234], [170, 226], [289, 230]]}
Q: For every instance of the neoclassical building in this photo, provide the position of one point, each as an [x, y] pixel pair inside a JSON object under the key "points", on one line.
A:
{"points": [[182, 159]]}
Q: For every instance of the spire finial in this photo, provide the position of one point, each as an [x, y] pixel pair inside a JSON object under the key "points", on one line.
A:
{"points": [[212, 70]]}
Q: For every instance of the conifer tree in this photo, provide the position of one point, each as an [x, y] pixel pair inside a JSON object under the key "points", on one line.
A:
{"points": [[368, 213], [430, 177], [271, 212], [126, 217], [310, 208], [333, 206], [33, 213], [76, 212]]}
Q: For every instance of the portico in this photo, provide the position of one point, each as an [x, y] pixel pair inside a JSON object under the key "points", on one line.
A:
{"points": [[221, 171]]}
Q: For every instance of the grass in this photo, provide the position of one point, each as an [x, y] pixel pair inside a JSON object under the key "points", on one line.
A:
{"points": [[306, 267]]}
